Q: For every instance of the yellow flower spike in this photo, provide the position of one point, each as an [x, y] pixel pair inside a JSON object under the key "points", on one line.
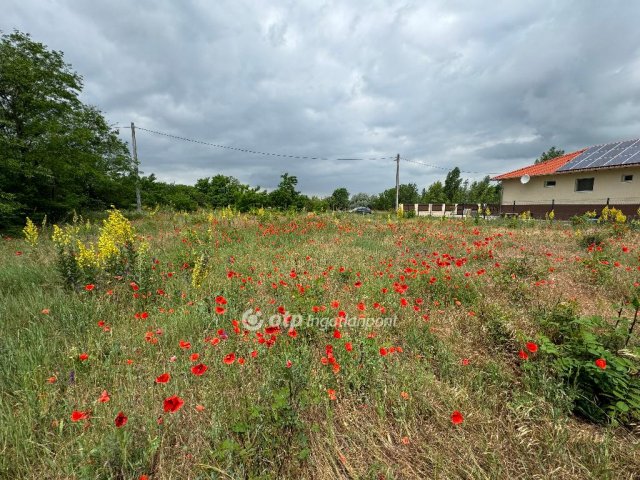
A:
{"points": [[30, 233]]}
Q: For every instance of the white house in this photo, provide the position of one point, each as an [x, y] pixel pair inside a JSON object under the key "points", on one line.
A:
{"points": [[598, 175]]}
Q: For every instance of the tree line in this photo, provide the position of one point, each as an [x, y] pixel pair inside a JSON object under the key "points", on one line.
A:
{"points": [[59, 155]]}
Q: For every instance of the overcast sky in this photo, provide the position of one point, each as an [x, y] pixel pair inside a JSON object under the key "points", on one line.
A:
{"points": [[483, 85]]}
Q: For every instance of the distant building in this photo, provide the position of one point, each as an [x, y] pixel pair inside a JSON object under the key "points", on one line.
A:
{"points": [[598, 175]]}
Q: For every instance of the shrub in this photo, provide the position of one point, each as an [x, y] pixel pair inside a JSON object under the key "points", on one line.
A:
{"points": [[586, 217], [583, 352]]}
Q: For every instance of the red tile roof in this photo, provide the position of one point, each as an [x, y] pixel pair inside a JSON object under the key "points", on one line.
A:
{"points": [[543, 168]]}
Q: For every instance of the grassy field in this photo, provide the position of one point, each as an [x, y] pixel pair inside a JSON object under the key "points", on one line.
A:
{"points": [[415, 349]]}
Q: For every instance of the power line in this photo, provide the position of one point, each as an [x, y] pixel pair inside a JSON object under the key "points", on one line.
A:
{"points": [[255, 152], [445, 168]]}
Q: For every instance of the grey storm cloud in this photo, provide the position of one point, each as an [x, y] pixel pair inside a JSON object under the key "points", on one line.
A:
{"points": [[485, 86]]}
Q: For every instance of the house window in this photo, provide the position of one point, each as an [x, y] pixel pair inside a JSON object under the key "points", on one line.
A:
{"points": [[549, 183], [627, 178], [584, 184]]}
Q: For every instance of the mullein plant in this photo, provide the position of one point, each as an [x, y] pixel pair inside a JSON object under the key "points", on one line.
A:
{"points": [[30, 232], [116, 251]]}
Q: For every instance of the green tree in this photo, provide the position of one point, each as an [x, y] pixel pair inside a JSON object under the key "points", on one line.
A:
{"points": [[179, 197], [339, 199], [434, 194], [251, 197], [453, 186], [286, 196], [220, 190], [315, 204], [553, 152], [408, 193], [362, 200], [484, 192], [56, 153]]}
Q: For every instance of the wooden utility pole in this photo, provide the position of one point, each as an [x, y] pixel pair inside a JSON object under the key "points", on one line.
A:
{"points": [[397, 181], [134, 153]]}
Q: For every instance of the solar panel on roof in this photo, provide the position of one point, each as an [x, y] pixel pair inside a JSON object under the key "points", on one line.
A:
{"points": [[588, 153], [612, 152], [632, 155], [606, 155]]}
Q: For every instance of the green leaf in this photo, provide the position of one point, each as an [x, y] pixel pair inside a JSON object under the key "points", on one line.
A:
{"points": [[623, 407]]}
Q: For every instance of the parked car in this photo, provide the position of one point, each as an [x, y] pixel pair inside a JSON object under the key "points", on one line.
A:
{"points": [[361, 210]]}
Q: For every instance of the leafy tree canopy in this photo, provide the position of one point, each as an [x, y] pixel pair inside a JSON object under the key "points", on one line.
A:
{"points": [[56, 153], [286, 195], [362, 200], [553, 152], [452, 186], [339, 199], [408, 193]]}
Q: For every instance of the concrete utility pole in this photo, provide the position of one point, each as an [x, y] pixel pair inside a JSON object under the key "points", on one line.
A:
{"points": [[397, 181], [134, 153]]}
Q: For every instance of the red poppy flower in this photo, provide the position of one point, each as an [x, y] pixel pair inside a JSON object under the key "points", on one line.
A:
{"points": [[104, 397], [289, 364], [194, 357], [348, 346], [337, 334], [465, 361], [184, 345], [121, 420], [601, 363], [332, 394], [532, 347], [456, 418], [78, 415], [220, 300], [199, 369], [523, 355], [229, 359], [383, 351], [89, 287], [83, 356], [173, 404], [361, 306], [164, 378]]}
